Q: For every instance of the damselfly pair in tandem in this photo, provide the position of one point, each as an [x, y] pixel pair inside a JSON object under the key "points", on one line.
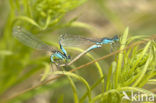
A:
{"points": [[30, 40]]}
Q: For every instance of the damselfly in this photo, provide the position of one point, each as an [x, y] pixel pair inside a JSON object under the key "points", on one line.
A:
{"points": [[78, 41], [30, 40], [68, 40]]}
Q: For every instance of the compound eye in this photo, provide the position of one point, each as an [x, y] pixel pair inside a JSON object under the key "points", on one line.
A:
{"points": [[69, 57]]}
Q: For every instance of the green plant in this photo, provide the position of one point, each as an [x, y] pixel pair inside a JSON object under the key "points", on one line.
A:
{"points": [[132, 68], [37, 16], [136, 69]]}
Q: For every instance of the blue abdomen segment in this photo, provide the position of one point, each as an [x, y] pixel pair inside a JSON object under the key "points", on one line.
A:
{"points": [[63, 50], [106, 41], [94, 46]]}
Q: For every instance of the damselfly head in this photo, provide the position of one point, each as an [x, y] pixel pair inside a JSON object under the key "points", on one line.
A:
{"points": [[68, 57], [116, 38], [62, 36]]}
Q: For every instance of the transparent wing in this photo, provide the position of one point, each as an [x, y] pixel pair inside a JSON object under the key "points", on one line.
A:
{"points": [[95, 40], [75, 41], [30, 40]]}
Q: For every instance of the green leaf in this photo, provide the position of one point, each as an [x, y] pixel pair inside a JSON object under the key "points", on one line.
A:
{"points": [[29, 20], [79, 78], [46, 71], [5, 52], [120, 57], [105, 95], [142, 73]]}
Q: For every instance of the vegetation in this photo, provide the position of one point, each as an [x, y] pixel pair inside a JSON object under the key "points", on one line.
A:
{"points": [[99, 76]]}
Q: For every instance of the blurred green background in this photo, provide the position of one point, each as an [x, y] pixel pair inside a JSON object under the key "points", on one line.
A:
{"points": [[21, 67]]}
